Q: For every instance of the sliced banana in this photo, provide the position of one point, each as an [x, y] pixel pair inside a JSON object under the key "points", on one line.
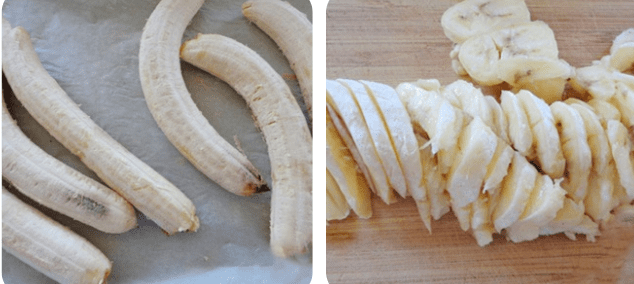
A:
{"points": [[574, 144], [623, 155], [434, 181], [519, 129], [545, 136], [481, 226], [342, 102], [379, 134], [470, 18], [401, 134], [543, 76], [622, 51], [569, 216], [337, 207], [501, 124], [515, 193], [605, 111], [342, 168], [546, 199], [498, 168], [476, 143]]}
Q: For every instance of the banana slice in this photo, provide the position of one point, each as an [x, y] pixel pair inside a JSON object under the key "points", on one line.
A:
{"points": [[515, 193], [342, 102], [434, 182], [337, 207], [570, 220], [597, 139], [470, 18], [605, 111], [519, 129], [600, 199], [379, 133], [476, 143], [342, 167], [545, 201], [470, 100], [543, 76], [481, 226], [623, 100], [545, 136], [463, 214], [501, 125], [622, 51], [498, 168], [574, 143], [401, 134], [594, 79], [622, 154]]}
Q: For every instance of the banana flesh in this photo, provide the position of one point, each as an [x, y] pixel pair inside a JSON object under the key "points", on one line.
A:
{"points": [[282, 123], [292, 32], [49, 104], [337, 207], [49, 247], [174, 110], [622, 51], [57, 186]]}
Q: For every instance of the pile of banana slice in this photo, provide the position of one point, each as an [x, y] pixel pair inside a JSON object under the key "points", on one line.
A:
{"points": [[523, 164]]}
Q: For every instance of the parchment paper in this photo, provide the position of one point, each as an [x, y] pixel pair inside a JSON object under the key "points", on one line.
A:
{"points": [[91, 49]]}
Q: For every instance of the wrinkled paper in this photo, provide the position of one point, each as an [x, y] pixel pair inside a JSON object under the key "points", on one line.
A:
{"points": [[91, 49]]}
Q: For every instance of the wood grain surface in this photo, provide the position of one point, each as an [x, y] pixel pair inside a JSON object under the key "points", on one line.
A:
{"points": [[402, 40]]}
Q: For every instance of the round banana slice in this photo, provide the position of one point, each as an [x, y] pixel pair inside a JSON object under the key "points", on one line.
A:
{"points": [[622, 51], [472, 17], [622, 154]]}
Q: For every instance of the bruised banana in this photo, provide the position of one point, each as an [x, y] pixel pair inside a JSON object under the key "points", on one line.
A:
{"points": [[49, 104], [49, 247], [174, 110], [292, 32], [282, 123], [57, 186]]}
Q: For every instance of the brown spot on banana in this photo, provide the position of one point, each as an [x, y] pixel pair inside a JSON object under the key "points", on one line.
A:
{"points": [[174, 110], [283, 126]]}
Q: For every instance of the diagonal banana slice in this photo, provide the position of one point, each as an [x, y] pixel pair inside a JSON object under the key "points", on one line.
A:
{"points": [[519, 129], [481, 226], [401, 134], [337, 207], [515, 193], [543, 76], [379, 133], [546, 140], [596, 136], [342, 167], [574, 144], [434, 181], [476, 143], [501, 124], [622, 51], [546, 199], [472, 17], [497, 169], [571, 220], [342, 102], [623, 155]]}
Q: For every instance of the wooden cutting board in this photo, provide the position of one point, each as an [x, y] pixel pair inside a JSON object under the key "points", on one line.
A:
{"points": [[402, 40]]}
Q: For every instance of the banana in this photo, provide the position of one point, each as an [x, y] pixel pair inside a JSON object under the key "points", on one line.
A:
{"points": [[342, 167], [546, 199], [401, 134], [292, 32], [378, 129], [501, 124], [571, 220], [597, 139], [473, 17], [173, 109], [345, 107], [546, 140], [623, 155], [49, 247], [282, 123], [519, 129], [574, 144], [57, 186], [497, 169], [47, 102], [337, 207], [524, 55], [481, 226], [515, 193], [434, 182], [622, 51], [605, 111]]}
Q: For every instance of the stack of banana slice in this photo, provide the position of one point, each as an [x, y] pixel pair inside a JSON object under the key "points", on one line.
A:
{"points": [[495, 41], [524, 164]]}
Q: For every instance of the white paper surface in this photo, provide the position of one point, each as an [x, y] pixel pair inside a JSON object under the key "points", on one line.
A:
{"points": [[91, 49]]}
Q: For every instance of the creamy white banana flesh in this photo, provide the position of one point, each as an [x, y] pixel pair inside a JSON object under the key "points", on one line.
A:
{"points": [[49, 104], [337, 207], [57, 186], [172, 107], [292, 32], [622, 51], [282, 123], [49, 247]]}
